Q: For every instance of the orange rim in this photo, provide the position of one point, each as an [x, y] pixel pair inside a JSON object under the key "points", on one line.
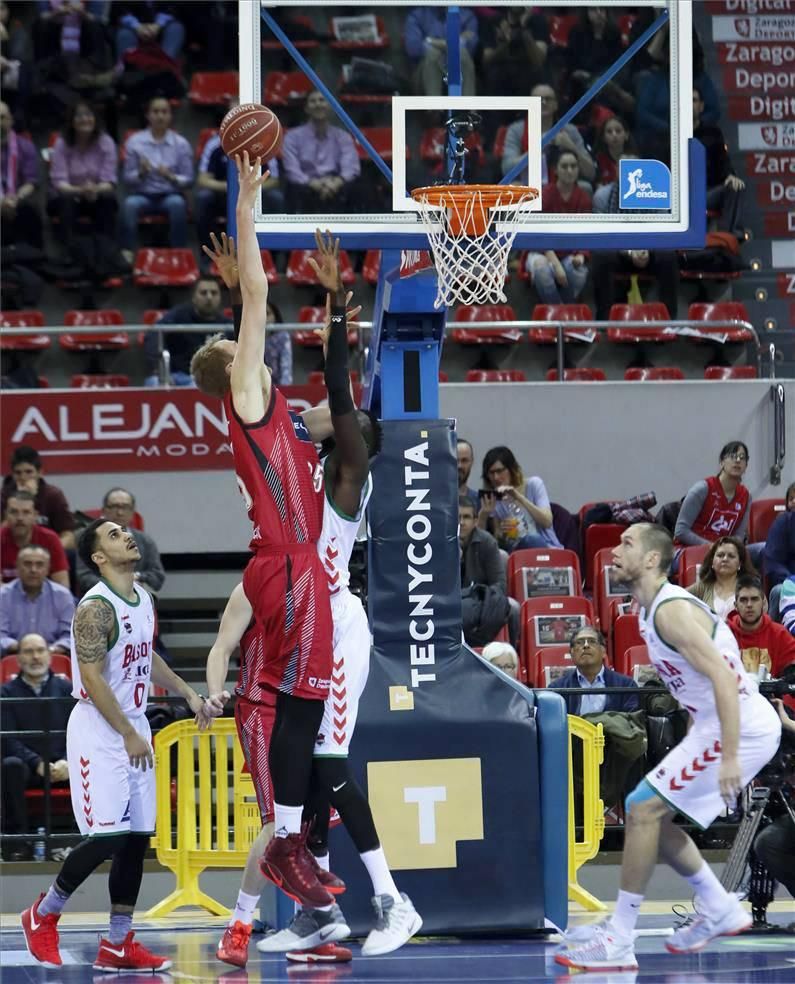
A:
{"points": [[470, 205]]}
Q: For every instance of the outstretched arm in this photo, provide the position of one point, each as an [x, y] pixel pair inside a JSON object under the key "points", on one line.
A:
{"points": [[250, 385], [164, 676], [234, 622]]}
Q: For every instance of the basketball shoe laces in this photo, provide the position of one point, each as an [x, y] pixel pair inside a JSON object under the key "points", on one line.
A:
{"points": [[47, 929], [239, 935], [137, 952], [297, 856]]}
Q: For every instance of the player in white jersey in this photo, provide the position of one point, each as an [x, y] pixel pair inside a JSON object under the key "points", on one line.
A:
{"points": [[734, 733], [109, 750], [348, 484]]}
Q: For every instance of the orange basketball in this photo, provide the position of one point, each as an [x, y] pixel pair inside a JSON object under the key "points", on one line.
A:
{"points": [[253, 128]]}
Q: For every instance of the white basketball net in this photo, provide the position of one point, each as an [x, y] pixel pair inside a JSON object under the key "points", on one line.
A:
{"points": [[471, 268]]}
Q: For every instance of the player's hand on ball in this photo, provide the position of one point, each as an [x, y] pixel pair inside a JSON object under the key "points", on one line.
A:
{"points": [[730, 780], [139, 751], [250, 179], [224, 255]]}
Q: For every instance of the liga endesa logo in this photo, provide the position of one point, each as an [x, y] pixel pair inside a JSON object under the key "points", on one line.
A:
{"points": [[644, 184]]}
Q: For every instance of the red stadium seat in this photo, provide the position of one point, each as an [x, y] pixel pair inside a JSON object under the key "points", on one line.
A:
{"points": [[560, 617], [305, 44], [137, 521], [23, 343], [580, 375], [624, 23], [631, 658], [562, 312], [763, 514], [99, 381], [597, 537], [541, 557], [204, 136], [371, 266], [653, 373], [165, 268], [381, 39], [100, 341], [626, 633], [213, 88], [499, 142], [60, 663], [731, 372], [285, 88], [485, 336], [605, 603], [689, 562], [153, 315], [83, 318], [560, 26], [381, 139], [548, 664], [443, 377], [721, 311], [316, 316], [301, 274], [433, 140], [650, 311], [44, 383], [496, 376]]}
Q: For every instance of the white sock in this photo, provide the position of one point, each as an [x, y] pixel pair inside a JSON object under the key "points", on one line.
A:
{"points": [[713, 896], [287, 820], [626, 913], [323, 861], [380, 875], [244, 908]]}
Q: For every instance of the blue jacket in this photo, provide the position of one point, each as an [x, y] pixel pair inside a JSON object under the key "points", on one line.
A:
{"points": [[780, 549], [615, 702]]}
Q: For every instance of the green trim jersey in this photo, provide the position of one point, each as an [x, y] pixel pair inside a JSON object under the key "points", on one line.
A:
{"points": [[337, 538], [128, 664], [692, 689]]}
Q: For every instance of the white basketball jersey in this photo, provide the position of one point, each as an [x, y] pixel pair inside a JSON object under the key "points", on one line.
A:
{"points": [[692, 689], [128, 664], [337, 538]]}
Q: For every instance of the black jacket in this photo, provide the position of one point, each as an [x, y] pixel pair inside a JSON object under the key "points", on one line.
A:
{"points": [[36, 715], [615, 702], [482, 561]]}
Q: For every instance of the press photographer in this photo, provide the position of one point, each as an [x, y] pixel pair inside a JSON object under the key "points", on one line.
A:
{"points": [[775, 845]]}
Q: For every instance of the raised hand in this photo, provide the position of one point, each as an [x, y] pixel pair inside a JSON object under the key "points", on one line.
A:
{"points": [[328, 269], [350, 316], [249, 178], [224, 255]]}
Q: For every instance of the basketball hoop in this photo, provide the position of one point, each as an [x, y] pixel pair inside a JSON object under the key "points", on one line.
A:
{"points": [[471, 229]]}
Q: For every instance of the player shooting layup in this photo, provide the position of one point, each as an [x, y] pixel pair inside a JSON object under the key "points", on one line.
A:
{"points": [[109, 750], [735, 732]]}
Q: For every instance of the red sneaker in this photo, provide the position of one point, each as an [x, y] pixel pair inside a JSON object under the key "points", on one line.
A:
{"points": [[289, 865], [233, 948], [112, 958], [41, 934], [329, 881], [325, 953]]}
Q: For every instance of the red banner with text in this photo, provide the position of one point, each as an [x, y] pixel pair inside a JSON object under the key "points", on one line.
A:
{"points": [[126, 430]]}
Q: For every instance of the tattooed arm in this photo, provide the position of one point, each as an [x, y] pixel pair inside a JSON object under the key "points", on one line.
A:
{"points": [[94, 622]]}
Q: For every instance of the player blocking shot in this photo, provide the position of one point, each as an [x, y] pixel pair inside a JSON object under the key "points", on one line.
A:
{"points": [[109, 750], [734, 733]]}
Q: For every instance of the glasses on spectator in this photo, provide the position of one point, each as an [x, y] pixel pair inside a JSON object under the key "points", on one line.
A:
{"points": [[497, 470], [586, 641], [738, 456]]}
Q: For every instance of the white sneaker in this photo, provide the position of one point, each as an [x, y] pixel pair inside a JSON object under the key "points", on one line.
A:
{"points": [[582, 934], [396, 923], [696, 934], [605, 951], [309, 928]]}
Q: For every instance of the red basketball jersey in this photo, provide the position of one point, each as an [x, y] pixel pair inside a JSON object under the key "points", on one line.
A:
{"points": [[252, 663], [279, 475], [718, 516]]}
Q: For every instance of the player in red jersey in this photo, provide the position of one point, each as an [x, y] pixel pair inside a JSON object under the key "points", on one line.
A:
{"points": [[281, 481]]}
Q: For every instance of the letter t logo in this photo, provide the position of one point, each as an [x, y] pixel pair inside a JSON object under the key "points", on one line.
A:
{"points": [[426, 797]]}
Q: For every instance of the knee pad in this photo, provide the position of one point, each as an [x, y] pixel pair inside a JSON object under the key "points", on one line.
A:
{"points": [[642, 793]]}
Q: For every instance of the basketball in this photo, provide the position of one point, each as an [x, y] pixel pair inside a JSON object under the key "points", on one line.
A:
{"points": [[253, 128]]}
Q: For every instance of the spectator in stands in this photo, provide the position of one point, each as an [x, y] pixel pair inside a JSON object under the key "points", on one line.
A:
{"points": [[204, 308], [148, 24], [118, 505], [780, 550], [786, 604], [320, 161], [717, 506], [425, 40], [724, 189], [466, 459], [24, 761], [158, 168], [516, 512], [514, 50], [765, 646], [210, 194], [569, 138], [594, 46], [503, 656], [16, 64], [34, 603], [21, 530], [83, 176], [20, 218], [482, 563], [723, 564], [588, 654], [613, 142], [50, 503], [278, 348], [561, 277]]}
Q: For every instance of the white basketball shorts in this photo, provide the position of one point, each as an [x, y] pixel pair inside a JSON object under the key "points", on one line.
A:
{"points": [[351, 664], [109, 796], [687, 778]]}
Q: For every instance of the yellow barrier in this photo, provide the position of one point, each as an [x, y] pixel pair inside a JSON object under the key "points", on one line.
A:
{"points": [[593, 744], [197, 835]]}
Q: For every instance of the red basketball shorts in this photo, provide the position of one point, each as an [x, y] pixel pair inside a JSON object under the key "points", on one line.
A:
{"points": [[289, 594], [254, 726]]}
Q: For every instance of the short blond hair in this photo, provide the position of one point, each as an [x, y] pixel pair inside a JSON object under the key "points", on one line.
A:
{"points": [[208, 368]]}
